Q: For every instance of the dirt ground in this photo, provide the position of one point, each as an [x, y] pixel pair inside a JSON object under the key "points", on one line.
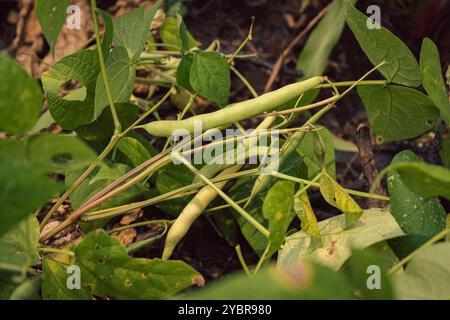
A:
{"points": [[277, 22]]}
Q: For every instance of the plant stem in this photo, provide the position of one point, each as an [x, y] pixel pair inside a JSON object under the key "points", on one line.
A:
{"points": [[247, 39], [262, 259], [223, 195], [242, 260], [77, 183], [139, 224], [350, 83], [55, 250], [317, 185], [427, 244], [245, 81], [117, 125]]}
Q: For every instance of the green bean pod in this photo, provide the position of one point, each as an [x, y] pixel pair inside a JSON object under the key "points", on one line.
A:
{"points": [[235, 112]]}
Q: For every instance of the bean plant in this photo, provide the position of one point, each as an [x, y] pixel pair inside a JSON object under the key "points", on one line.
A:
{"points": [[115, 158]]}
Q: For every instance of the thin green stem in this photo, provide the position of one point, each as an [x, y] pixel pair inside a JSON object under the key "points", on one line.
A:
{"points": [[139, 224], [117, 125], [317, 185], [245, 81], [247, 39], [55, 250], [350, 83], [224, 196], [242, 260], [427, 244], [77, 183], [262, 259]]}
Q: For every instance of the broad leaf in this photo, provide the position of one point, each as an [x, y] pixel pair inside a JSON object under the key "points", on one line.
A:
{"points": [[184, 72], [277, 208], [368, 272], [336, 196], [418, 217], [398, 113], [305, 213], [68, 111], [433, 82], [210, 77], [52, 16], [21, 101], [171, 35], [314, 56], [132, 30], [427, 275], [103, 128], [18, 252], [169, 178], [425, 179], [379, 44], [108, 271], [54, 284], [374, 226], [56, 153], [310, 148], [20, 182], [121, 74], [30, 289], [303, 281], [136, 149]]}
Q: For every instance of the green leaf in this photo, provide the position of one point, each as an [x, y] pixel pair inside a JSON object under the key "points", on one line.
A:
{"points": [[305, 213], [314, 56], [28, 290], [45, 121], [277, 208], [185, 36], [433, 82], [101, 178], [136, 149], [20, 181], [374, 226], [132, 30], [184, 72], [54, 284], [68, 111], [336, 196], [171, 35], [121, 74], [367, 267], [103, 128], [210, 77], [244, 187], [381, 45], [425, 179], [427, 275], [169, 178], [310, 148], [52, 16], [109, 32], [445, 150], [18, 252], [108, 271], [398, 113], [304, 281], [56, 153], [418, 217], [21, 101]]}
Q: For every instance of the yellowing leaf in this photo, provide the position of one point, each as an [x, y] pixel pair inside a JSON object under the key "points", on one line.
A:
{"points": [[374, 226], [305, 213], [336, 196]]}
